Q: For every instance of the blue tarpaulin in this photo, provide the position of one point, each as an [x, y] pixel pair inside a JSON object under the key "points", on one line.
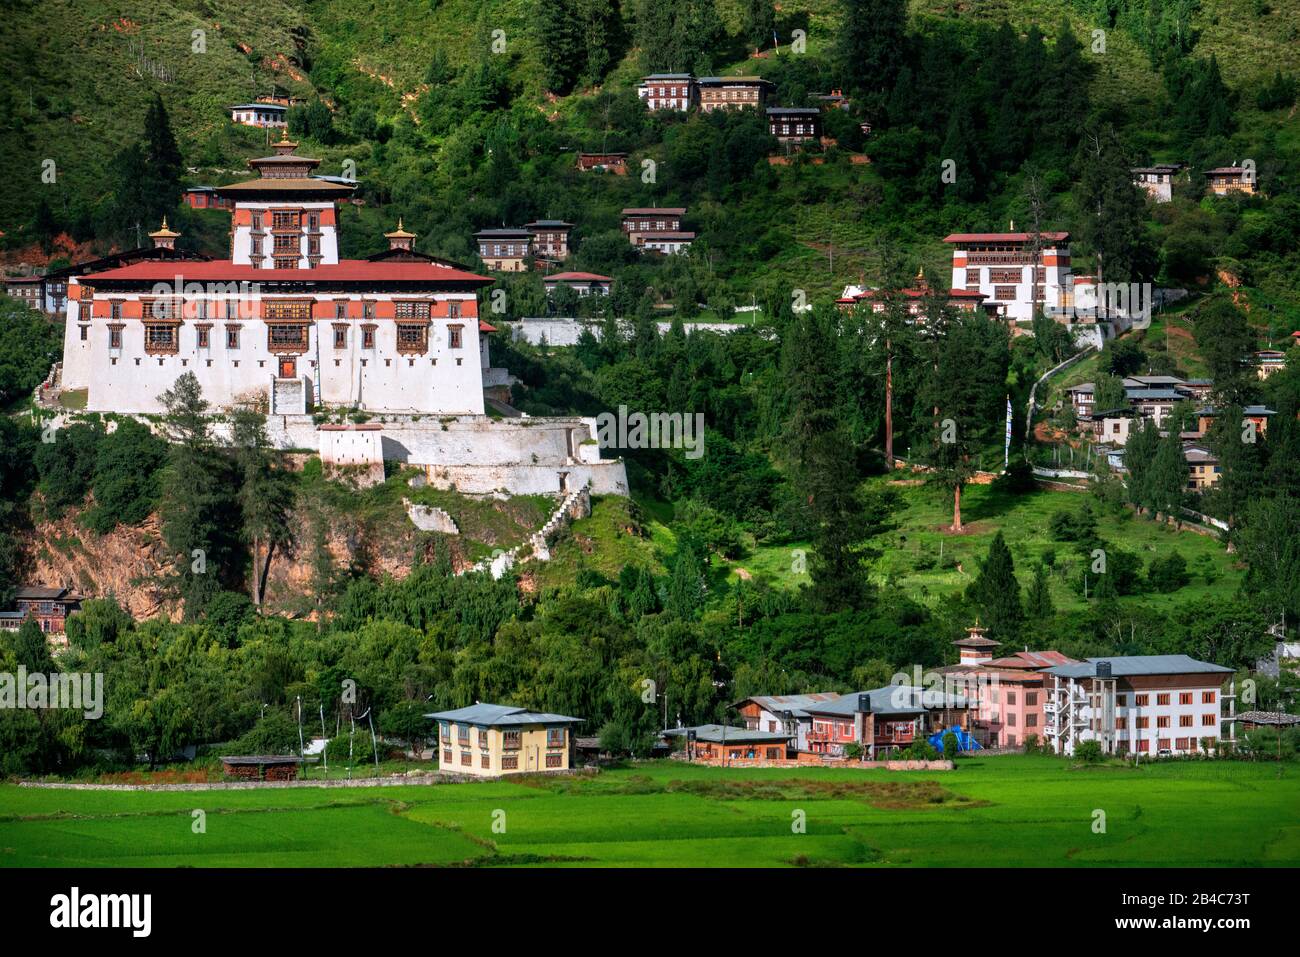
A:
{"points": [[964, 741]]}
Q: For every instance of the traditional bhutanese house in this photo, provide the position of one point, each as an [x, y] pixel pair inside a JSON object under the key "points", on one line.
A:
{"points": [[504, 250], [1279, 721], [1256, 414], [1157, 181], [1154, 403], [1153, 705], [668, 91], [261, 767], [880, 721], [1231, 179], [1081, 398], [284, 318], [1268, 361], [1113, 426], [489, 740], [723, 745], [657, 228], [259, 114], [916, 298], [401, 248], [1202, 467], [732, 92], [667, 243], [795, 124], [1004, 267], [205, 197], [583, 283], [50, 608], [550, 238], [29, 290], [603, 162], [1196, 388], [1151, 382], [834, 100], [784, 714]]}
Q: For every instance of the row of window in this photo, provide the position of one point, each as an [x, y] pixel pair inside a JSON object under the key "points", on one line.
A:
{"points": [[509, 762], [1162, 721], [1163, 698], [161, 337], [510, 740], [275, 309]]}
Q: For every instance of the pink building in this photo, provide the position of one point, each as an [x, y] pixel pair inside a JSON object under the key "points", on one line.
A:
{"points": [[1010, 690]]}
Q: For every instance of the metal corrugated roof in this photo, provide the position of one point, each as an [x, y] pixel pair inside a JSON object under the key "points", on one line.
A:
{"points": [[1132, 665], [501, 714], [719, 733]]}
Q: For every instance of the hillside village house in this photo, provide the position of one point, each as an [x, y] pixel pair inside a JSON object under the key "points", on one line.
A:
{"points": [[283, 317], [260, 114], [550, 238], [583, 283], [1257, 415], [1268, 361], [1231, 179], [205, 197], [50, 608], [615, 163], [915, 296], [29, 290], [504, 250], [657, 228], [1005, 268], [1203, 468], [732, 92], [489, 740], [668, 91], [1081, 398], [1150, 705], [1157, 181], [795, 124]]}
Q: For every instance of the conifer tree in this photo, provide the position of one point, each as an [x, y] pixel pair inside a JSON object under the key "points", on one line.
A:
{"points": [[1039, 603], [997, 593]]}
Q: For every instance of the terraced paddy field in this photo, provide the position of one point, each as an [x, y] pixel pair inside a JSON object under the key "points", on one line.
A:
{"points": [[1000, 811]]}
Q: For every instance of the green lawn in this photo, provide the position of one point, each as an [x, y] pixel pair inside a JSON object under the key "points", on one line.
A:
{"points": [[1006, 811]]}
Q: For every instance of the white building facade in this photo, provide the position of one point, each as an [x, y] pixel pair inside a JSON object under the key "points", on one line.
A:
{"points": [[1011, 275], [284, 324], [1145, 705]]}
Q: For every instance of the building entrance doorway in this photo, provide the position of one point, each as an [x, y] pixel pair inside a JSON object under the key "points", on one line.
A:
{"points": [[288, 367]]}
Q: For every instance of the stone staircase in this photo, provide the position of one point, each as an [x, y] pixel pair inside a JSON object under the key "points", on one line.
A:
{"points": [[576, 504], [288, 396]]}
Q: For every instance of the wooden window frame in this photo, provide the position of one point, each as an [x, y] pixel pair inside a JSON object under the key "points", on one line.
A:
{"points": [[154, 346], [412, 338]]}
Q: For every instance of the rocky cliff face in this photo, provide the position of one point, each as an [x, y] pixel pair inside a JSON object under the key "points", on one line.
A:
{"points": [[129, 561]]}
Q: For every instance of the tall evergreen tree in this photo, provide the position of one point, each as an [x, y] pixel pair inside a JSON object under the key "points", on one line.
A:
{"points": [[872, 34], [1039, 603], [997, 593], [1139, 460], [1112, 209], [196, 503], [822, 461], [265, 495], [1166, 485]]}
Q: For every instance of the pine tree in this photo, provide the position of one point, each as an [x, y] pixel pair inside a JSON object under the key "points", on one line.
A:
{"points": [[872, 36], [1039, 603], [1139, 458], [560, 41], [1113, 209], [265, 495], [760, 22], [1167, 483], [997, 593]]}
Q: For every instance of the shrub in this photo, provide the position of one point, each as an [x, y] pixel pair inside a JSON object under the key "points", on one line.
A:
{"points": [[1088, 752], [1031, 744]]}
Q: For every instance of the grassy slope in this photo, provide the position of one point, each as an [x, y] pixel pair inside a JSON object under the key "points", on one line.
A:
{"points": [[1023, 521], [1012, 810]]}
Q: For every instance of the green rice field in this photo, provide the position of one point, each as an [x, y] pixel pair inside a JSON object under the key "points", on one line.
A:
{"points": [[994, 812]]}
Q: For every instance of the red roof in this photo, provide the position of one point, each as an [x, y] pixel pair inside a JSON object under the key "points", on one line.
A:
{"points": [[577, 277], [486, 327], [1002, 237], [1030, 659], [348, 270], [916, 294]]}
